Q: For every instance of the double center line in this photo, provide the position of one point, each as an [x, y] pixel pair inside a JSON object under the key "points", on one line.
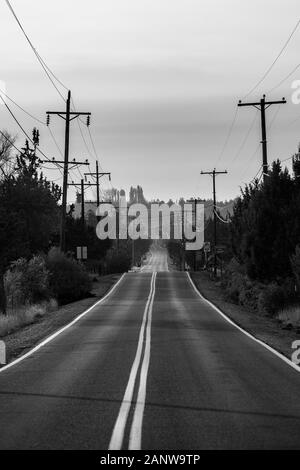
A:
{"points": [[144, 345]]}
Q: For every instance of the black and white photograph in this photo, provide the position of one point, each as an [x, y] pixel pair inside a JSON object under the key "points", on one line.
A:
{"points": [[149, 231]]}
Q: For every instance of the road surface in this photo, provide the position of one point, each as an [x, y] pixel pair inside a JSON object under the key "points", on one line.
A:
{"points": [[152, 367], [156, 261]]}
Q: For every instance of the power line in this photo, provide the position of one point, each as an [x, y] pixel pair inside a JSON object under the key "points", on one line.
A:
{"points": [[228, 135], [22, 109], [259, 170], [221, 219], [32, 117], [262, 106], [251, 160], [214, 173], [284, 79], [55, 141], [245, 139], [46, 69], [274, 118], [274, 61], [83, 138], [21, 127], [287, 159], [9, 141]]}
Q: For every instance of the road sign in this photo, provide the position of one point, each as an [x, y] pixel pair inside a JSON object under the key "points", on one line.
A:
{"points": [[82, 252], [206, 247], [2, 353]]}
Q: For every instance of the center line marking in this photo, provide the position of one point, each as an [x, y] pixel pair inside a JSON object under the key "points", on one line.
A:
{"points": [[135, 439], [120, 424]]}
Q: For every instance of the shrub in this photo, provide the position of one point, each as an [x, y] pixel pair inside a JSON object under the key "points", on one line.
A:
{"points": [[290, 316], [249, 297], [272, 299], [69, 281], [24, 316], [236, 283], [27, 282]]}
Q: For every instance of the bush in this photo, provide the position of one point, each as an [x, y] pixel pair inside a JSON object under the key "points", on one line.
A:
{"points": [[69, 281], [290, 316], [272, 299], [27, 282], [236, 284], [23, 316]]}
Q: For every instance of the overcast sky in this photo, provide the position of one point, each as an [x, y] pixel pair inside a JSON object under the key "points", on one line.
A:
{"points": [[162, 79]]}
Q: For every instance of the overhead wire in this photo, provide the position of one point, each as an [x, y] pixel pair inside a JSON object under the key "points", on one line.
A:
{"points": [[244, 140], [230, 130], [284, 79], [9, 141], [22, 109], [274, 61], [45, 67]]}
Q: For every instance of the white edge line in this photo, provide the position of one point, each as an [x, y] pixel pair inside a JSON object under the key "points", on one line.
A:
{"points": [[135, 438], [266, 346], [57, 333], [117, 437]]}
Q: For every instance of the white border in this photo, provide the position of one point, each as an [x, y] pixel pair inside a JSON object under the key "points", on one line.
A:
{"points": [[266, 346], [54, 335]]}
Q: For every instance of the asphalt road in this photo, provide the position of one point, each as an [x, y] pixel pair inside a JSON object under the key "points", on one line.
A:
{"points": [[152, 367], [157, 261]]}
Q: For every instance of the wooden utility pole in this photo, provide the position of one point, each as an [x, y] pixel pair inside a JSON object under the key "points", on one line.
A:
{"points": [[68, 116], [98, 175], [214, 173], [82, 204], [82, 185], [262, 105]]}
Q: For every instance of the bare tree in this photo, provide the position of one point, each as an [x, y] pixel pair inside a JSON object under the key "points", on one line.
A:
{"points": [[7, 160]]}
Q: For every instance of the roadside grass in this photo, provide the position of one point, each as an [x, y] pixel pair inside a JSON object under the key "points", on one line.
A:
{"points": [[26, 315], [272, 330], [290, 316], [25, 327]]}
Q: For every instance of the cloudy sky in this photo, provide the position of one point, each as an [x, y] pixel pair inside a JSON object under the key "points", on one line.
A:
{"points": [[162, 79]]}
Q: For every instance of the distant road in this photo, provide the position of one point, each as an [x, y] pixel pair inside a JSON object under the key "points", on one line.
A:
{"points": [[154, 366], [157, 260]]}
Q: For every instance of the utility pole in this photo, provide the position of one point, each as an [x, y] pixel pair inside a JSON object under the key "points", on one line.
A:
{"points": [[183, 242], [82, 204], [82, 185], [68, 116], [262, 106], [98, 175], [214, 173]]}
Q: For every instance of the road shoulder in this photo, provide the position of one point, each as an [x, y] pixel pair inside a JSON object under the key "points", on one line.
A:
{"points": [[21, 341], [264, 328]]}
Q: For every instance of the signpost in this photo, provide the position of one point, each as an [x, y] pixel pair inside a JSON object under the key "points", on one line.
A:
{"points": [[82, 252], [207, 250], [206, 247], [2, 353]]}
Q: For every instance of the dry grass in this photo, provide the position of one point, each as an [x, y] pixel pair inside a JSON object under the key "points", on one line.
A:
{"points": [[290, 315], [23, 316]]}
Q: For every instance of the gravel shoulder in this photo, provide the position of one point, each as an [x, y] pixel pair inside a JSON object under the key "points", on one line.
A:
{"points": [[264, 328], [24, 339]]}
